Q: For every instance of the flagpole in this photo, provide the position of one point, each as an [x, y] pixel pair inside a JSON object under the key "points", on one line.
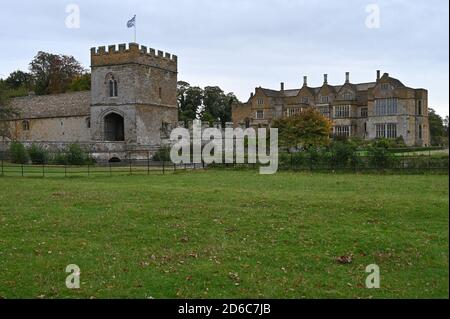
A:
{"points": [[135, 29]]}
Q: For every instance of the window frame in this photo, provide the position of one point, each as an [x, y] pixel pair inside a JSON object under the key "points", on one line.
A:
{"points": [[25, 125], [386, 106], [258, 112]]}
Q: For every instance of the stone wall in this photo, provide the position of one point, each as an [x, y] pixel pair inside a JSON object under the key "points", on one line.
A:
{"points": [[57, 129]]}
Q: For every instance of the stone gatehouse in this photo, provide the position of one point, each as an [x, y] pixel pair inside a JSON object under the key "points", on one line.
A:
{"points": [[131, 106]]}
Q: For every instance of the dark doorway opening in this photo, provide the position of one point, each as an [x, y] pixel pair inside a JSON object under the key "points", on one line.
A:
{"points": [[114, 128], [114, 160]]}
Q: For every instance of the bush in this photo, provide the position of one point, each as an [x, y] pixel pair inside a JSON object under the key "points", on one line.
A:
{"points": [[18, 153], [59, 158], [343, 153], [38, 155], [380, 157], [163, 154], [399, 142], [75, 155]]}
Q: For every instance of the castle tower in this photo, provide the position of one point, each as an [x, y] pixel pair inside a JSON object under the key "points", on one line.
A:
{"points": [[134, 96]]}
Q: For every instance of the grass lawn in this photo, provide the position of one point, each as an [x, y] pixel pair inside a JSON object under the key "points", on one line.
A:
{"points": [[217, 234]]}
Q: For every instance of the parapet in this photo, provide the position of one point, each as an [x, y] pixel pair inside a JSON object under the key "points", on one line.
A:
{"points": [[132, 53]]}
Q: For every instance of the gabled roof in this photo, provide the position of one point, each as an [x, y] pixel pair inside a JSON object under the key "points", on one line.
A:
{"points": [[346, 85], [391, 80], [309, 89], [326, 85]]}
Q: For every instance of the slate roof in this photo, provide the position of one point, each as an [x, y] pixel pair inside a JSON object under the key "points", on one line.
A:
{"points": [[55, 105]]}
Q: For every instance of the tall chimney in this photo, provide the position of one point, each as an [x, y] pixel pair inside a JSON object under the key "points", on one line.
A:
{"points": [[378, 74], [282, 86], [325, 79], [251, 94], [347, 77], [305, 81]]}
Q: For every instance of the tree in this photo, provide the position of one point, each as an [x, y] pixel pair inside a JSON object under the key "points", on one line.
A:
{"points": [[209, 105], [446, 126], [54, 73], [437, 127], [217, 105], [190, 99], [6, 111], [19, 79], [307, 128], [81, 83]]}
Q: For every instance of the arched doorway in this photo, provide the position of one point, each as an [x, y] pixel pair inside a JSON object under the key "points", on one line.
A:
{"points": [[114, 128]]}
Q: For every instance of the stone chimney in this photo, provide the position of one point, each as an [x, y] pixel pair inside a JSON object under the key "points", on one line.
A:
{"points": [[282, 86], [305, 81], [378, 74], [325, 79], [251, 95], [347, 77]]}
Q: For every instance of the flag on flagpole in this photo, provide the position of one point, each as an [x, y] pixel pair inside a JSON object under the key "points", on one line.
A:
{"points": [[132, 23]]}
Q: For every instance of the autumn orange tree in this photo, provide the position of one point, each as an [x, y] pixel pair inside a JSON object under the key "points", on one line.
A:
{"points": [[305, 129]]}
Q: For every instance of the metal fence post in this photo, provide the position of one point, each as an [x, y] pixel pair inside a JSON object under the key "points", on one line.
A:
{"points": [[22, 169], [148, 164], [89, 170], [2, 167], [43, 169], [164, 169], [110, 170], [65, 169], [131, 172]]}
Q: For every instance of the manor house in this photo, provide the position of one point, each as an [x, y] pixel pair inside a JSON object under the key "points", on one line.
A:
{"points": [[384, 108], [127, 113]]}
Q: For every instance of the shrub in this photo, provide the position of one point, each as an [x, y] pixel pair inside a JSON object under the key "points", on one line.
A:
{"points": [[399, 142], [75, 155], [380, 157], [59, 158], [343, 153], [38, 155], [18, 153], [163, 154]]}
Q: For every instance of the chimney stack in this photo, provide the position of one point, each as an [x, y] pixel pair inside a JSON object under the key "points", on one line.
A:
{"points": [[282, 86], [251, 95], [325, 79], [305, 81], [347, 77], [378, 74]]}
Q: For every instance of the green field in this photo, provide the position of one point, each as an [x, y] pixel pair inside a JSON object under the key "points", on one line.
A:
{"points": [[225, 234]]}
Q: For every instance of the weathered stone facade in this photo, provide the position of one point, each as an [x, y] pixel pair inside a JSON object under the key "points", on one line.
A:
{"points": [[133, 98], [383, 108]]}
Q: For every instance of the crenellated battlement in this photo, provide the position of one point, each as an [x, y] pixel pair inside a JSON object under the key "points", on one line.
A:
{"points": [[132, 53]]}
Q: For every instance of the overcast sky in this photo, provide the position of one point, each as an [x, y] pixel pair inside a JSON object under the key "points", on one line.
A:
{"points": [[241, 44]]}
